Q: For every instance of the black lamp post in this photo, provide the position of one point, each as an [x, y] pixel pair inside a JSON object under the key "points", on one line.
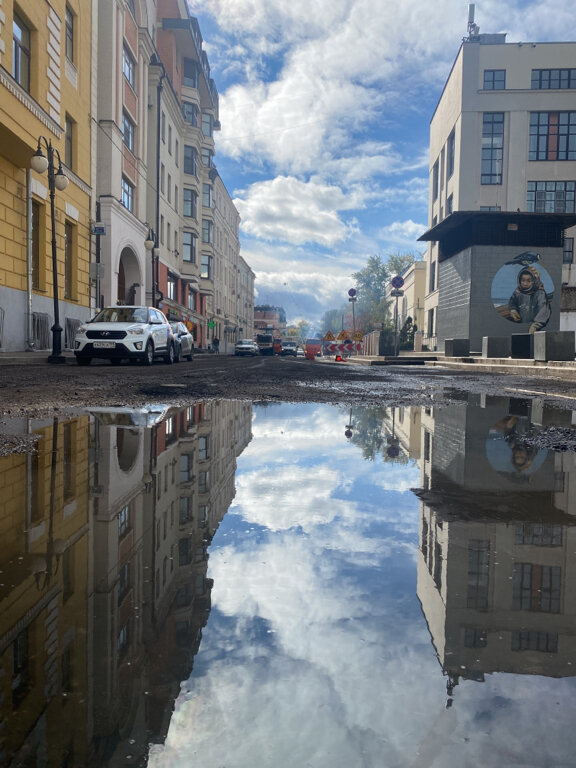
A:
{"points": [[150, 245], [56, 180]]}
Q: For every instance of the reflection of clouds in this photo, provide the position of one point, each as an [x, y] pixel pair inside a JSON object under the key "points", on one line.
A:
{"points": [[316, 652]]}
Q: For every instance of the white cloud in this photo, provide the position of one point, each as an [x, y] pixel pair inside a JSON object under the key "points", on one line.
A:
{"points": [[296, 212]]}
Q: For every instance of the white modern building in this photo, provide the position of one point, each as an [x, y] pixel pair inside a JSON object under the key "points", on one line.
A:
{"points": [[503, 138]]}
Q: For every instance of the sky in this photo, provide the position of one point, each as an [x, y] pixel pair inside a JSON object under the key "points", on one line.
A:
{"points": [[325, 108]]}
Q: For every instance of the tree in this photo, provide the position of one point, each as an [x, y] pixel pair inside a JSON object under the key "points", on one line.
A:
{"points": [[397, 263], [332, 320], [371, 283]]}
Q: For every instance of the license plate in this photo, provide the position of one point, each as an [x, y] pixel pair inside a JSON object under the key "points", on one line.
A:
{"points": [[104, 344]]}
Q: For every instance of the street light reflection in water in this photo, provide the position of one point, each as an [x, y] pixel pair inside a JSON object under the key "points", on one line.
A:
{"points": [[290, 585]]}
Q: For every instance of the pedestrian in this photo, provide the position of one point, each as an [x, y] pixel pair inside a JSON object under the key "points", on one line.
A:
{"points": [[529, 302], [216, 345]]}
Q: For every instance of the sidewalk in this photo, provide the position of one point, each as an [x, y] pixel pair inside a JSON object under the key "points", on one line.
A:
{"points": [[34, 356]]}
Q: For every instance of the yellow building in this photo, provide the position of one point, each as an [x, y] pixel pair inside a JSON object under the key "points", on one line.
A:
{"points": [[45, 100]]}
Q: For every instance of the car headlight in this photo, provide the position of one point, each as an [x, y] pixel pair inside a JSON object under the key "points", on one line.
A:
{"points": [[135, 331], [81, 330]]}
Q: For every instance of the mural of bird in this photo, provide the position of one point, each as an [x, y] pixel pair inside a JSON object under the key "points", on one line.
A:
{"points": [[524, 259]]}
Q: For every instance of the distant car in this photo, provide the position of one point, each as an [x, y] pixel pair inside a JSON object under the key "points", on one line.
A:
{"points": [[184, 341], [125, 333], [246, 347], [300, 352], [288, 348]]}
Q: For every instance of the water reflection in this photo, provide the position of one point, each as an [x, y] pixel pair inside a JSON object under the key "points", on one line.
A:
{"points": [[368, 567], [104, 589]]}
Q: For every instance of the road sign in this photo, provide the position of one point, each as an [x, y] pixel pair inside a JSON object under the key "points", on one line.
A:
{"points": [[393, 451], [397, 282], [358, 336], [329, 336], [352, 292], [396, 293]]}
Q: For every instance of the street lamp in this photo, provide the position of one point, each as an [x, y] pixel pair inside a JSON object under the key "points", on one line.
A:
{"points": [[150, 245], [56, 180]]}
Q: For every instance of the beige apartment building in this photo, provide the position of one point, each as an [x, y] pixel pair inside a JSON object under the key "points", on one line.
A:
{"points": [[503, 138]]}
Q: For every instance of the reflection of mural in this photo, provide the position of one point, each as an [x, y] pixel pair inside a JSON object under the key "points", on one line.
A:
{"points": [[530, 292], [508, 450]]}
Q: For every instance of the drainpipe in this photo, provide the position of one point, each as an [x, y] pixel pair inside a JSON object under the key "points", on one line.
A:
{"points": [[29, 324], [156, 259]]}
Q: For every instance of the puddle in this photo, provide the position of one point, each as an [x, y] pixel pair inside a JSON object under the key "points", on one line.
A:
{"points": [[285, 585]]}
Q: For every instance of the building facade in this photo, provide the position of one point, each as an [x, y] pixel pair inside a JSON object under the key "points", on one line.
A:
{"points": [[46, 94], [121, 94], [503, 138]]}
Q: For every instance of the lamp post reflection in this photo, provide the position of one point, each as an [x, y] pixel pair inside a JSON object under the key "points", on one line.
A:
{"points": [[56, 180]]}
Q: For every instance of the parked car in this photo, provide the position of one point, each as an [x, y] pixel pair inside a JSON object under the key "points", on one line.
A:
{"points": [[300, 352], [246, 347], [289, 348], [183, 340], [125, 332]]}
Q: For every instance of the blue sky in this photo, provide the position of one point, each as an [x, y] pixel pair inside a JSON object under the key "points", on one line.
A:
{"points": [[325, 108]]}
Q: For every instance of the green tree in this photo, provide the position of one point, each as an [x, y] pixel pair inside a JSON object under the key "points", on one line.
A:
{"points": [[398, 262], [371, 282], [332, 320]]}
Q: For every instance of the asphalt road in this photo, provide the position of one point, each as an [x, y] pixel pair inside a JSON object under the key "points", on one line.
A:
{"points": [[37, 387]]}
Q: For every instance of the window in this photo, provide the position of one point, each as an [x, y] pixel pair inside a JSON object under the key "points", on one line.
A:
{"points": [[190, 112], [207, 231], [190, 73], [494, 79], [207, 195], [206, 157], [127, 194], [184, 551], [21, 52], [123, 640], [552, 136], [550, 196], [129, 67], [128, 131], [203, 482], [538, 534], [544, 79], [163, 127], [206, 125], [203, 453], [177, 152], [190, 159], [435, 181], [490, 208], [432, 283], [69, 33], [123, 521], [450, 151], [536, 588], [206, 266], [492, 147], [530, 640], [449, 205], [169, 139], [68, 141], [35, 245], [192, 300], [189, 241], [162, 178], [186, 466], [478, 574], [190, 206], [123, 581], [186, 510], [21, 667], [475, 638], [68, 260], [169, 183], [568, 251], [172, 288], [430, 323]]}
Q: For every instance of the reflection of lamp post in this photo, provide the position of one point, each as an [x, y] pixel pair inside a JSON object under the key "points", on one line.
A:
{"points": [[151, 246], [349, 427], [42, 566], [56, 180]]}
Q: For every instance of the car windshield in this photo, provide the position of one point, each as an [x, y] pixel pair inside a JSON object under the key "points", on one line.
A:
{"points": [[245, 341], [122, 315]]}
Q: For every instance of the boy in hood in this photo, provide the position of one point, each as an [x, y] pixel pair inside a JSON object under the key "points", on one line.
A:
{"points": [[529, 303]]}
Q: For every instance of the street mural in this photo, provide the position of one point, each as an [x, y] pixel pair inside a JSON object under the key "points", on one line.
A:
{"points": [[523, 292]]}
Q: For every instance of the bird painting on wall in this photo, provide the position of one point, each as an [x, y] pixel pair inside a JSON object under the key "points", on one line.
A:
{"points": [[524, 259]]}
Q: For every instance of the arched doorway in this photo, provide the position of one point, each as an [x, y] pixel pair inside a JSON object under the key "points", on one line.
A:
{"points": [[129, 288]]}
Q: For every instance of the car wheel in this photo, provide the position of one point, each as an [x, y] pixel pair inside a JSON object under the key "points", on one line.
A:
{"points": [[83, 360], [115, 360], [189, 357], [148, 356], [170, 356]]}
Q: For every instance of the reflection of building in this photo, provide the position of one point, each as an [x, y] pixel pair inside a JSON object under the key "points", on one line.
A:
{"points": [[495, 568], [501, 140], [45, 601], [401, 427], [104, 557]]}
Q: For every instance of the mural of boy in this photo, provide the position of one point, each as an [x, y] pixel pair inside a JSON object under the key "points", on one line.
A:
{"points": [[529, 302]]}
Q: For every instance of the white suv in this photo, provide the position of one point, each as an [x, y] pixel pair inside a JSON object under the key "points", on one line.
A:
{"points": [[133, 333]]}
